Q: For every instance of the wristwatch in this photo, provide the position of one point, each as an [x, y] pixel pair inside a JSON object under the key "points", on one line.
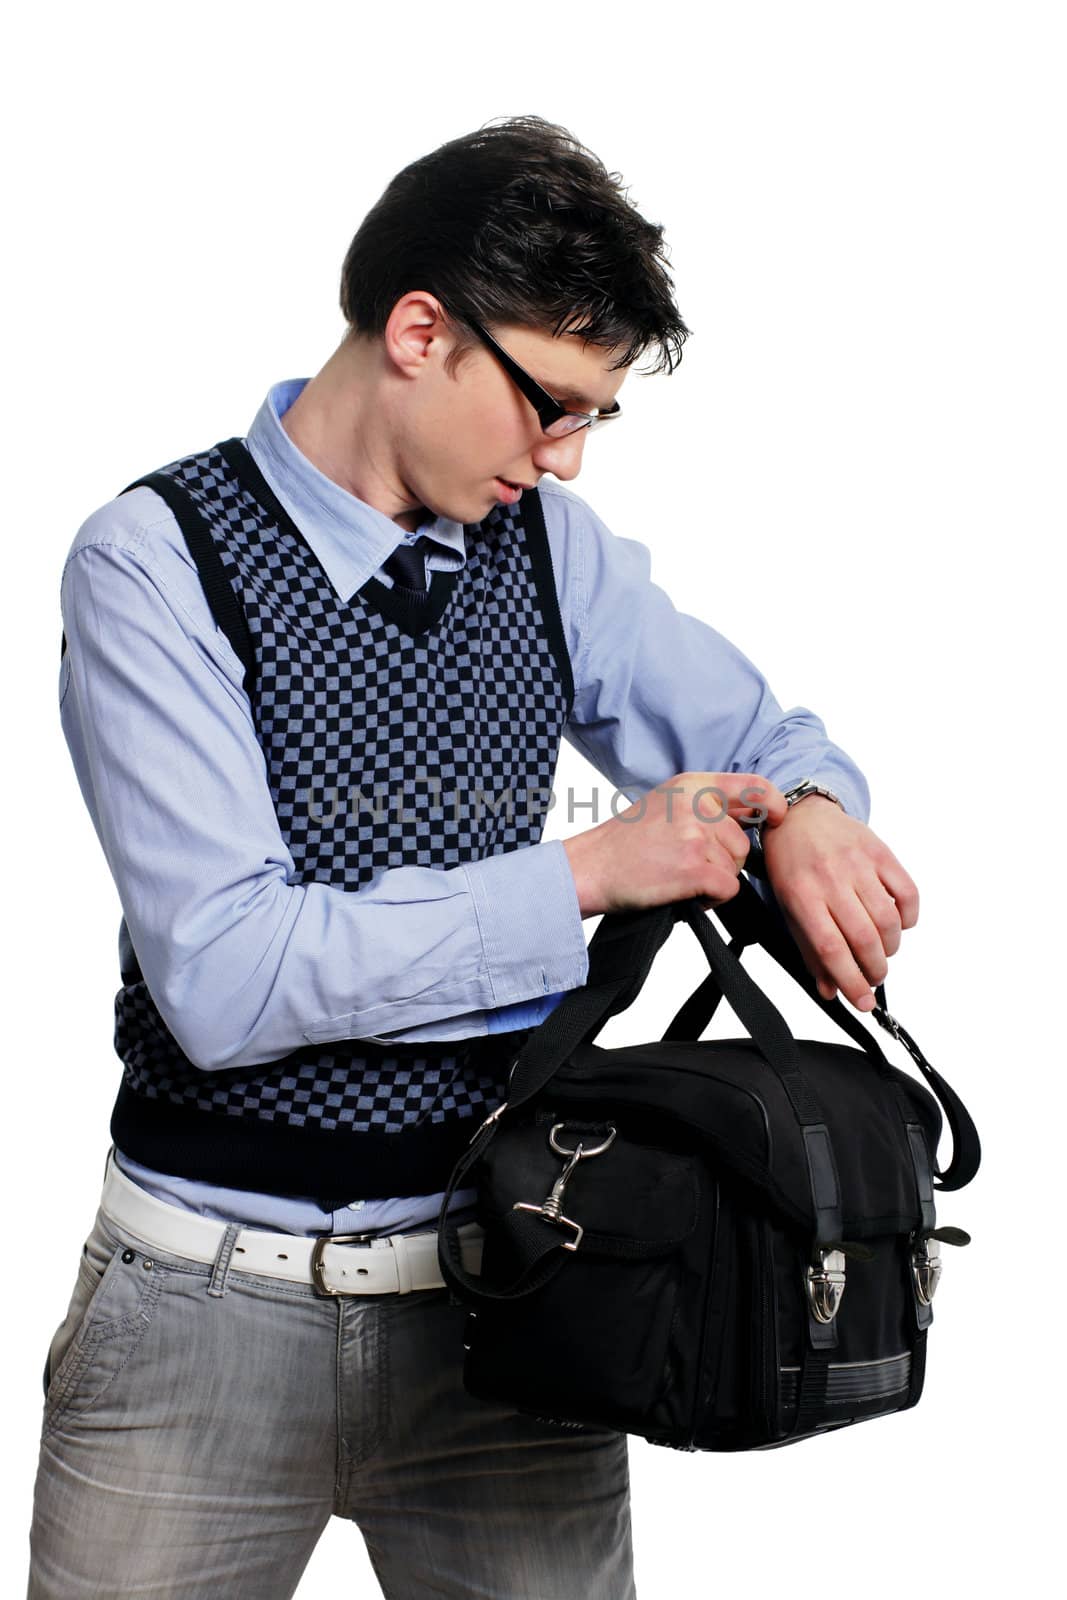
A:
{"points": [[796, 793]]}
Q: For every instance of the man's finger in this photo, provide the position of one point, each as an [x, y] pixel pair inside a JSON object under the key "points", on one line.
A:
{"points": [[739, 795], [828, 956], [884, 914], [903, 890], [862, 935]]}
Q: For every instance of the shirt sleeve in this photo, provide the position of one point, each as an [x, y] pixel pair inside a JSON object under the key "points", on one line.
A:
{"points": [[659, 691], [244, 964]]}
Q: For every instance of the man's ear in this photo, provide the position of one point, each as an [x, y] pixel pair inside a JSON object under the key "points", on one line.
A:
{"points": [[418, 332]]}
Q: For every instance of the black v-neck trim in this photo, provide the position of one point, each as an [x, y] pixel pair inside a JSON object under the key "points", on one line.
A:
{"points": [[413, 618]]}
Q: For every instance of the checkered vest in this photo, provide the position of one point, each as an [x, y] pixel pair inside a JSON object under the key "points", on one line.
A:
{"points": [[391, 739]]}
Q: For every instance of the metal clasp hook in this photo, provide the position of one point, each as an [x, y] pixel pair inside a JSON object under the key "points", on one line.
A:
{"points": [[551, 1208], [926, 1268], [826, 1285]]}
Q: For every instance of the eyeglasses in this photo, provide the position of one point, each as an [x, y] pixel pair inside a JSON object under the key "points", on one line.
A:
{"points": [[555, 419]]}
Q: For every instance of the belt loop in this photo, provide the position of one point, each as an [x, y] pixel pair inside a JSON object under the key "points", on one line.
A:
{"points": [[403, 1262], [220, 1272]]}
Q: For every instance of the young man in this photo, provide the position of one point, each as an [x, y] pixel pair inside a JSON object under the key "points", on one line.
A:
{"points": [[314, 682]]}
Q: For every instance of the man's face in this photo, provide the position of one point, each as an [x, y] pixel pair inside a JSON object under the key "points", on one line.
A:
{"points": [[469, 430]]}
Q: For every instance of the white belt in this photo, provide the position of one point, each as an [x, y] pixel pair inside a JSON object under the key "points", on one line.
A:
{"points": [[397, 1264]]}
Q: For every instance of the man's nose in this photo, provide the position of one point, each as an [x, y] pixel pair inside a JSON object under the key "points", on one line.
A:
{"points": [[561, 457]]}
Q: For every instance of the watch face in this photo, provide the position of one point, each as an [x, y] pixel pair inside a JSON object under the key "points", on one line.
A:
{"points": [[797, 790]]}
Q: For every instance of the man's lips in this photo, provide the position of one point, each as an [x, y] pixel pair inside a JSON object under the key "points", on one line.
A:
{"points": [[511, 492]]}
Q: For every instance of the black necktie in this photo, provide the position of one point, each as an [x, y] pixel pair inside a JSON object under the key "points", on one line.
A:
{"points": [[407, 566]]}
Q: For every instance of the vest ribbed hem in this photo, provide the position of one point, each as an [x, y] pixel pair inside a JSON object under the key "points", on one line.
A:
{"points": [[332, 1167]]}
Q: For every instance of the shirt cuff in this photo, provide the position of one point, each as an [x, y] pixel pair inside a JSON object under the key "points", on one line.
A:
{"points": [[542, 951]]}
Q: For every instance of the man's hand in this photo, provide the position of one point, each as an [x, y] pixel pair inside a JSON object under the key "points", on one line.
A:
{"points": [[843, 893], [685, 837]]}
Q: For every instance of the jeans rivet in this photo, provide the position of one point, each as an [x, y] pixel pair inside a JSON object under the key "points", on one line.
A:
{"points": [[127, 1256], [148, 1265]]}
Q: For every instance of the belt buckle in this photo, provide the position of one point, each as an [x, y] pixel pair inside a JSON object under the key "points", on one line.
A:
{"points": [[318, 1265]]}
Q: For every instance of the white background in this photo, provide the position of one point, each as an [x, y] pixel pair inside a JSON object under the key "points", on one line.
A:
{"points": [[864, 206]]}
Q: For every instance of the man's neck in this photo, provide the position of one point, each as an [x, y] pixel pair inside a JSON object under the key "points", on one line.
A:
{"points": [[332, 424]]}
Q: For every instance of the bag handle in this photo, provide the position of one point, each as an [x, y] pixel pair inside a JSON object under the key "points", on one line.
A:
{"points": [[619, 965], [751, 920]]}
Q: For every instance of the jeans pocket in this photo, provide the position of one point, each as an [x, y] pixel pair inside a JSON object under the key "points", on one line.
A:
{"points": [[115, 1294]]}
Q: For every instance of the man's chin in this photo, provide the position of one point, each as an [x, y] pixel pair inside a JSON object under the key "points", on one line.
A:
{"points": [[475, 508]]}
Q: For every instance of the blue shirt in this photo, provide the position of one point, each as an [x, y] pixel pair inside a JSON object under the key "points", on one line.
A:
{"points": [[246, 966]]}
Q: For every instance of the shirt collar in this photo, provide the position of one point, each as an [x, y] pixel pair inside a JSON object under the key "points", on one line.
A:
{"points": [[350, 538]]}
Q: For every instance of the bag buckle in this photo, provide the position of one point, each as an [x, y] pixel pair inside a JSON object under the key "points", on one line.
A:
{"points": [[926, 1268], [551, 1208], [488, 1123], [826, 1285]]}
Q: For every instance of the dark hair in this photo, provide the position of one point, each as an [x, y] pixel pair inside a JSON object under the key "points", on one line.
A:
{"points": [[517, 223]]}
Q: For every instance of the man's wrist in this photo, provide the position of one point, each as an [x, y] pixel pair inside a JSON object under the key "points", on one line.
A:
{"points": [[827, 800], [796, 794]]}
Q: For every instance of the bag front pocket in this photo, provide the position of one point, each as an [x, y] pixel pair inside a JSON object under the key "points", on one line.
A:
{"points": [[593, 1343]]}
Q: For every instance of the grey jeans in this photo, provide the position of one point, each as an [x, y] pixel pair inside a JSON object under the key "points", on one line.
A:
{"points": [[202, 1425]]}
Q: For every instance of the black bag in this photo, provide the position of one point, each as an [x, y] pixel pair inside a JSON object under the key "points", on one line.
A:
{"points": [[717, 1245]]}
